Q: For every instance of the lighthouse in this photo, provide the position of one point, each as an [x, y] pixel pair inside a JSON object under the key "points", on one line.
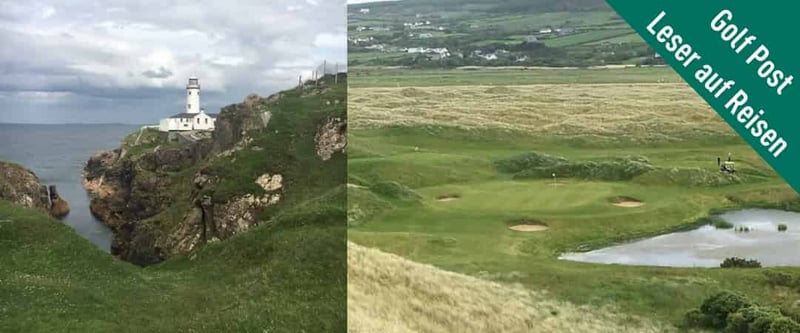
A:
{"points": [[193, 118], [193, 96]]}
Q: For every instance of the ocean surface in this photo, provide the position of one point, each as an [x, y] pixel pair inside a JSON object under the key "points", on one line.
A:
{"points": [[57, 155]]}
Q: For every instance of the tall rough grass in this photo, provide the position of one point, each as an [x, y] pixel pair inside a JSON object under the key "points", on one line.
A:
{"points": [[389, 294], [641, 113]]}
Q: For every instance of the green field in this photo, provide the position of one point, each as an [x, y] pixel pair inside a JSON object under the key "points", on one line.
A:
{"points": [[366, 77], [418, 137], [586, 37]]}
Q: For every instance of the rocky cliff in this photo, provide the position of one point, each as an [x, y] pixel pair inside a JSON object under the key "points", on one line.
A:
{"points": [[21, 187], [165, 198]]}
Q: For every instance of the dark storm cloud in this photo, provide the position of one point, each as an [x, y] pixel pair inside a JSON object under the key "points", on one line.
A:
{"points": [[79, 61]]}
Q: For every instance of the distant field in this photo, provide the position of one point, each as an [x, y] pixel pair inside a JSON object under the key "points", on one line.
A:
{"points": [[629, 38], [585, 37], [543, 20], [361, 77], [366, 56]]}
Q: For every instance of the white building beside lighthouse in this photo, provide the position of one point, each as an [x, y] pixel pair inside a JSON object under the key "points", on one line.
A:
{"points": [[194, 118]]}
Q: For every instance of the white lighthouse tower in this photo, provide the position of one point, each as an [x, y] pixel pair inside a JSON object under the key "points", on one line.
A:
{"points": [[193, 96], [194, 118]]}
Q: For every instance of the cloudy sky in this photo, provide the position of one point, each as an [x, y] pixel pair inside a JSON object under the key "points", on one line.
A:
{"points": [[120, 61]]}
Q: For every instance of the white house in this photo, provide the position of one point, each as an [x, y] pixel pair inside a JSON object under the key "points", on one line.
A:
{"points": [[194, 118]]}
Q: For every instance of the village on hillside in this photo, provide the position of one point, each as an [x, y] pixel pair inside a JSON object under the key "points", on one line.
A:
{"points": [[388, 37]]}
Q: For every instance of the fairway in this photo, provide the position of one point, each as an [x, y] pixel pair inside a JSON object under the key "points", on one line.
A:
{"points": [[432, 169]]}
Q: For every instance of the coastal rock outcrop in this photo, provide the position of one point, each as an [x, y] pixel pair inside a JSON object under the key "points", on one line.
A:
{"points": [[234, 121], [23, 188]]}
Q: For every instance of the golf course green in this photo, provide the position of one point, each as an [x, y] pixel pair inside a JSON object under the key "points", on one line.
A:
{"points": [[441, 174]]}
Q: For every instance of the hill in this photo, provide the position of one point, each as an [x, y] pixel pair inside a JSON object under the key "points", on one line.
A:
{"points": [[453, 33]]}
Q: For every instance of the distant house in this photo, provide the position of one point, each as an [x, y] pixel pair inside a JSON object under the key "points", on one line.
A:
{"points": [[522, 59], [531, 39], [426, 35], [441, 53], [546, 31], [364, 11], [416, 50], [379, 47], [565, 31], [489, 57]]}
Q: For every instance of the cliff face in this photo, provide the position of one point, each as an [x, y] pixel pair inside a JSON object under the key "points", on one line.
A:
{"points": [[164, 199], [21, 187]]}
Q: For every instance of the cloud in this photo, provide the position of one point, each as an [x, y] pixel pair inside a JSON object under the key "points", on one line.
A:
{"points": [[123, 61], [329, 40], [160, 73]]}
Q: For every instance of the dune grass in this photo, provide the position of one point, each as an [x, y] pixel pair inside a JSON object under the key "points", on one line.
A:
{"points": [[389, 294], [443, 140]]}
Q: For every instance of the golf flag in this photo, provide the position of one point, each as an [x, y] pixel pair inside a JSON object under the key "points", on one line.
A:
{"points": [[739, 56]]}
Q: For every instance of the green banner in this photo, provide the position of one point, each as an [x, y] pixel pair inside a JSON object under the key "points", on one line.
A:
{"points": [[740, 57]]}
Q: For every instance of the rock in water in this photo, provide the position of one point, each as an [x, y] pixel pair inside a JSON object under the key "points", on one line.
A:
{"points": [[59, 208]]}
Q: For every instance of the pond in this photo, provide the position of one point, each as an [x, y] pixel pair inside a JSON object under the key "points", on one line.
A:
{"points": [[708, 246]]}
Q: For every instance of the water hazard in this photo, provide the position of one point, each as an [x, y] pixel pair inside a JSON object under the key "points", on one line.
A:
{"points": [[709, 246]]}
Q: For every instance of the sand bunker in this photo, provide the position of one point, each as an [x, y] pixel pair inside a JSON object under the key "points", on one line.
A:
{"points": [[528, 227], [626, 202], [450, 197]]}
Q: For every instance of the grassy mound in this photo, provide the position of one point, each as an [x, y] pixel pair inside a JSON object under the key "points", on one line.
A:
{"points": [[695, 177], [363, 205], [366, 202], [537, 165]]}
